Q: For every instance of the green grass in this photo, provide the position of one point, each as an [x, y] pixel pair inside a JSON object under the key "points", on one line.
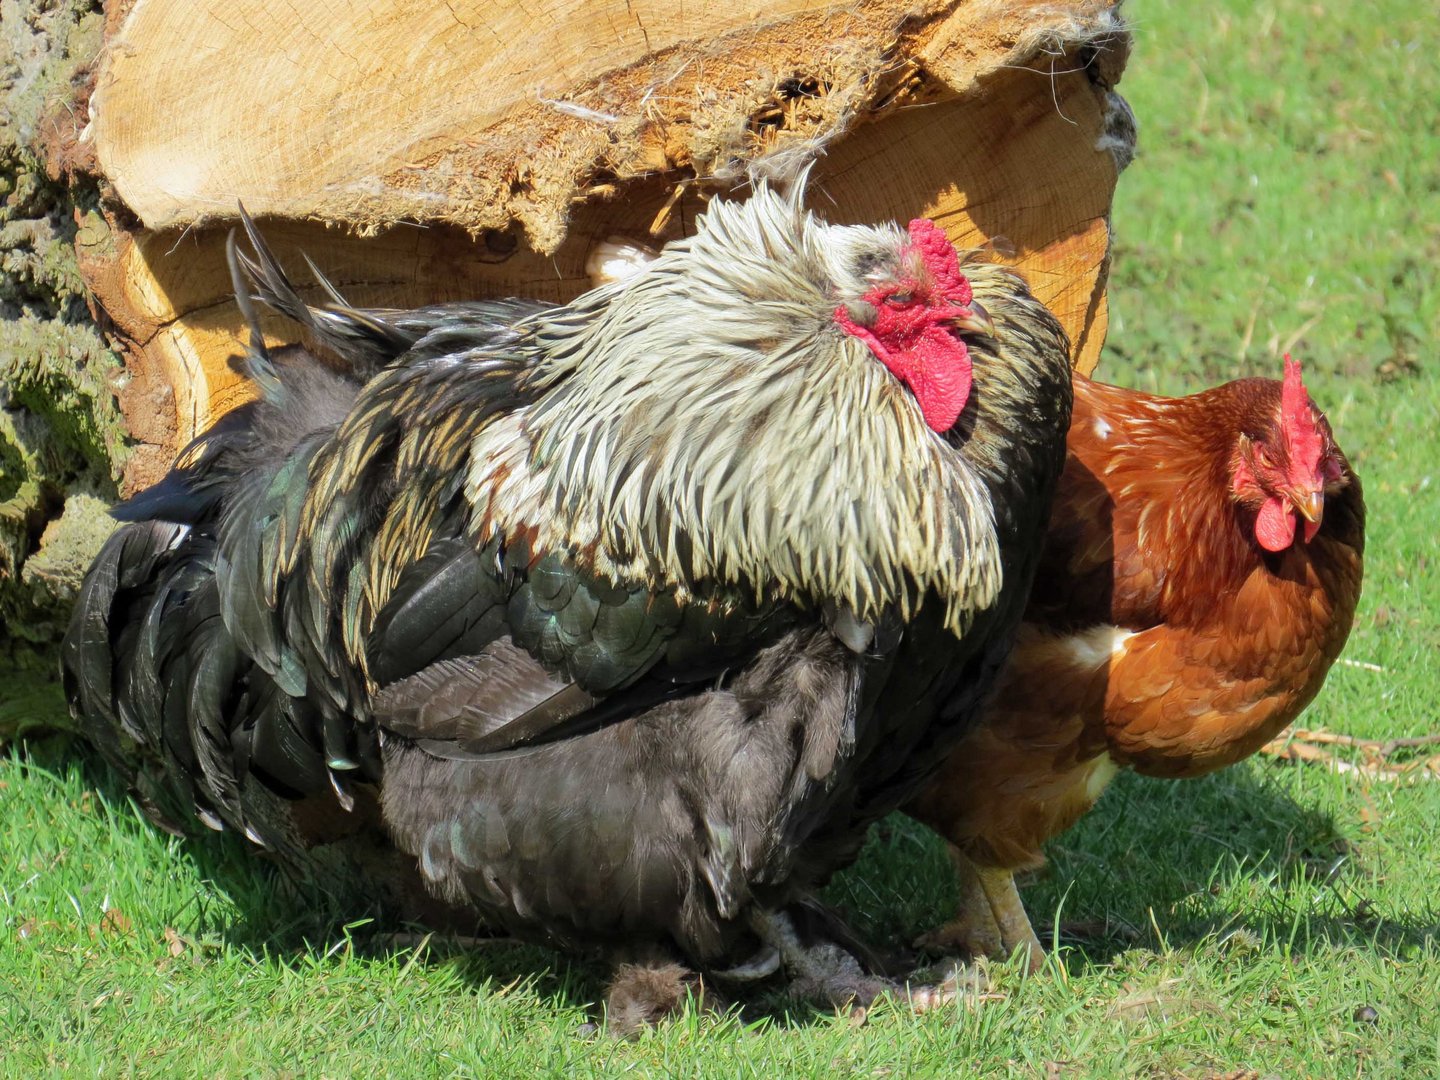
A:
{"points": [[1287, 196]]}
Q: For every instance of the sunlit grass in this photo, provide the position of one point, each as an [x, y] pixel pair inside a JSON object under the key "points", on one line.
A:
{"points": [[1274, 918]]}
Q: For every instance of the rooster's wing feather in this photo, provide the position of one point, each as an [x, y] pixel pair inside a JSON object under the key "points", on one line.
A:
{"points": [[532, 651]]}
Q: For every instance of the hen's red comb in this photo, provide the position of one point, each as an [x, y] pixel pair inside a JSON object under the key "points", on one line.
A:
{"points": [[940, 259], [1298, 421]]}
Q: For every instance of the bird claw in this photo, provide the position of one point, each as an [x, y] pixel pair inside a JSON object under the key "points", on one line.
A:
{"points": [[825, 972], [760, 966], [961, 982], [923, 999], [820, 972]]}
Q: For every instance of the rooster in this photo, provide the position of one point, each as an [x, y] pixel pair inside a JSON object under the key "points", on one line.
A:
{"points": [[1199, 579], [624, 618]]}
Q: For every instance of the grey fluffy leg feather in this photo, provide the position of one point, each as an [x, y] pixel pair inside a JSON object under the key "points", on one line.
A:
{"points": [[642, 994], [826, 972], [821, 972]]}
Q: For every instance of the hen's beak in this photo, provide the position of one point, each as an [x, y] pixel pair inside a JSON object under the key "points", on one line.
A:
{"points": [[976, 319], [1309, 504]]}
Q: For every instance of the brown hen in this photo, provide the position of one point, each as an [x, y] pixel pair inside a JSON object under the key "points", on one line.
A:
{"points": [[1199, 578]]}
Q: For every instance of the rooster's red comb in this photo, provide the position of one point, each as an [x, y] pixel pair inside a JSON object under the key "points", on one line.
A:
{"points": [[1298, 421], [940, 259]]}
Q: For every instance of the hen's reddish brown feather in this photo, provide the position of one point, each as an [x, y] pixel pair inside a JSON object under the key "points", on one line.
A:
{"points": [[1159, 635]]}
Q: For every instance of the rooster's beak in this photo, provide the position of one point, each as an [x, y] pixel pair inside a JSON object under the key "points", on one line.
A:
{"points": [[1309, 504], [976, 319]]}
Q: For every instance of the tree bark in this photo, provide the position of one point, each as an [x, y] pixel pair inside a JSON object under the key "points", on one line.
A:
{"points": [[473, 148], [63, 439]]}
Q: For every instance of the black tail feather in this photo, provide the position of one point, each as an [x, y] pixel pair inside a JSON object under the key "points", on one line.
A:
{"points": [[364, 339], [243, 299]]}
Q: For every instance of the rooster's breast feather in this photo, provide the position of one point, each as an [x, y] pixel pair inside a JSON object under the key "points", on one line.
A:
{"points": [[779, 456]]}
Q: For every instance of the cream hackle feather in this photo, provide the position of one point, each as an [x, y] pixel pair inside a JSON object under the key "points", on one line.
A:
{"points": [[706, 420]]}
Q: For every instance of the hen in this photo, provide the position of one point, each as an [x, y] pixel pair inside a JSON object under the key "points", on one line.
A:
{"points": [[1198, 580], [624, 618]]}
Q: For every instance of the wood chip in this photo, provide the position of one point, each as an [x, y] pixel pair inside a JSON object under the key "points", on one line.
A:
{"points": [[115, 921], [1377, 755], [174, 941]]}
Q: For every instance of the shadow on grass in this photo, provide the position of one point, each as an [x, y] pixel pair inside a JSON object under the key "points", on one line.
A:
{"points": [[271, 915], [1160, 864], [1157, 864], [1237, 852]]}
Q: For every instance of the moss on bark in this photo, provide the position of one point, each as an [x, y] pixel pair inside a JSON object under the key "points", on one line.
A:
{"points": [[62, 439]]}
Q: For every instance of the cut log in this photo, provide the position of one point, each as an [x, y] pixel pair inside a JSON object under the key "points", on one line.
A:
{"points": [[428, 152], [477, 149]]}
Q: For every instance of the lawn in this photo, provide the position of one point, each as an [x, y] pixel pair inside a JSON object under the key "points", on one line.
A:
{"points": [[1276, 918]]}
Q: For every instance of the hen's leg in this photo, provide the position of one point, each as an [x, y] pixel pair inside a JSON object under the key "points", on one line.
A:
{"points": [[1009, 913], [973, 932]]}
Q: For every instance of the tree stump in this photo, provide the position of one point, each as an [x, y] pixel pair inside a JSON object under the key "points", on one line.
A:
{"points": [[420, 153]]}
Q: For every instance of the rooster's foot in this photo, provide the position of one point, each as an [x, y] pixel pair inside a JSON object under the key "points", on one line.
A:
{"points": [[819, 972], [825, 972]]}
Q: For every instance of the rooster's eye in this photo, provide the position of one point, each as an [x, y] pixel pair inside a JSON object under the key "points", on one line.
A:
{"points": [[898, 298]]}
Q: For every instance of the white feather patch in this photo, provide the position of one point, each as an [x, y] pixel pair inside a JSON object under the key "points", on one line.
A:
{"points": [[1084, 651], [616, 259], [1098, 775]]}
